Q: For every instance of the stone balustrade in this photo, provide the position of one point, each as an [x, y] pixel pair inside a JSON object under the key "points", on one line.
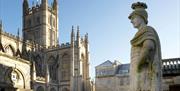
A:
{"points": [[171, 67]]}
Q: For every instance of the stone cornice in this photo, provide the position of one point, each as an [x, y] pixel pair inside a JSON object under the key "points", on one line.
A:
{"points": [[15, 58]]}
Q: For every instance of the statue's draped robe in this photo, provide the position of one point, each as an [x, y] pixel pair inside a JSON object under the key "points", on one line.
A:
{"points": [[149, 76]]}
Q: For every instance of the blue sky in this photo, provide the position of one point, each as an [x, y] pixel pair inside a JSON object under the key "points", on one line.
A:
{"points": [[107, 24]]}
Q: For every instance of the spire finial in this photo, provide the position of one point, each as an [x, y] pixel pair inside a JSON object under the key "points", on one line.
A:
{"points": [[43, 1], [25, 3], [86, 37], [37, 2], [25, 7], [55, 6], [77, 28], [78, 34], [33, 4], [44, 4], [72, 35], [72, 32], [72, 28], [55, 2], [1, 25], [18, 32]]}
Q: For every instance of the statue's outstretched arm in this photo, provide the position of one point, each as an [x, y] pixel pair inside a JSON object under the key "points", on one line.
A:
{"points": [[146, 52]]}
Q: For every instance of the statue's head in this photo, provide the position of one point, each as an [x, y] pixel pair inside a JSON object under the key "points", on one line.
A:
{"points": [[139, 13]]}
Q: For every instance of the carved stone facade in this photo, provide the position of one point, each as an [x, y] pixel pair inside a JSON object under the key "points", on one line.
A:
{"points": [[117, 79], [37, 62]]}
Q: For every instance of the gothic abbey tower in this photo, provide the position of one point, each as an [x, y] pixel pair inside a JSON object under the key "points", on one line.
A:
{"points": [[40, 23], [37, 62]]}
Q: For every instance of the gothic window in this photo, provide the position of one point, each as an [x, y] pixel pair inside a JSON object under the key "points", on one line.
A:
{"points": [[37, 36], [53, 38], [38, 20], [65, 67], [50, 36], [52, 68], [51, 19], [29, 22], [81, 69], [54, 22], [38, 66], [83, 65]]}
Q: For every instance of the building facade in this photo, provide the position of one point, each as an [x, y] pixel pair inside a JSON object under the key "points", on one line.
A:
{"points": [[114, 76], [37, 61]]}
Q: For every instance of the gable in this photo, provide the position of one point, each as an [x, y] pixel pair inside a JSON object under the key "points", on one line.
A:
{"points": [[105, 64]]}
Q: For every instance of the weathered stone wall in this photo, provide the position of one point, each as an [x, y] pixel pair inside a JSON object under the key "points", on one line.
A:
{"points": [[112, 83], [16, 71], [105, 84], [168, 81]]}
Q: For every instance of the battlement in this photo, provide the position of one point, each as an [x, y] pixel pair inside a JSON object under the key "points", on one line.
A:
{"points": [[15, 37], [63, 45], [38, 19], [37, 8], [34, 9], [18, 38]]}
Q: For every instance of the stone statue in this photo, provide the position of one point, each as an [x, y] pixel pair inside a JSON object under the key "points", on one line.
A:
{"points": [[145, 68]]}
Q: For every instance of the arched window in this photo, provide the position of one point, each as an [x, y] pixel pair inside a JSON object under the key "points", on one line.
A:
{"points": [[83, 65], [52, 68], [38, 20], [29, 22], [40, 88], [65, 67], [38, 66], [54, 23]]}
